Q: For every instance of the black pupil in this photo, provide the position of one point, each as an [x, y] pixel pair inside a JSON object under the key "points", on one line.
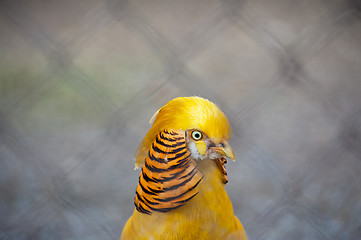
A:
{"points": [[197, 135]]}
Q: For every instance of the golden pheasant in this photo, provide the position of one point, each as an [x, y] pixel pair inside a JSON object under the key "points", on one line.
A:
{"points": [[181, 194]]}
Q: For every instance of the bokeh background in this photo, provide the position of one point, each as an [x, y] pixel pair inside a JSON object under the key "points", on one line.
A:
{"points": [[79, 81]]}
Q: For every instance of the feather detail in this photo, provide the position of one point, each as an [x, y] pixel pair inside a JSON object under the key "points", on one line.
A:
{"points": [[169, 177], [221, 165]]}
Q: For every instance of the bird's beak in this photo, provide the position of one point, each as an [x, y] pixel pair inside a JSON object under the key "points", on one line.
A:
{"points": [[225, 150]]}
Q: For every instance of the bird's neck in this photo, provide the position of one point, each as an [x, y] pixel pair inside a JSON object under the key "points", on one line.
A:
{"points": [[210, 211], [209, 169], [212, 188], [212, 201]]}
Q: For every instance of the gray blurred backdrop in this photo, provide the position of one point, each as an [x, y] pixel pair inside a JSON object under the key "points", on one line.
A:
{"points": [[79, 81]]}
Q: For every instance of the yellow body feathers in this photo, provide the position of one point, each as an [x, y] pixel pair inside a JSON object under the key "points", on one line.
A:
{"points": [[180, 194]]}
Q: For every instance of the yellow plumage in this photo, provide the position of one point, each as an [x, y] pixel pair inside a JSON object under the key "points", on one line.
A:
{"points": [[181, 192]]}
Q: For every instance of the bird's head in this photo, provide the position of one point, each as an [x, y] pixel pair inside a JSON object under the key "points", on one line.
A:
{"points": [[205, 126]]}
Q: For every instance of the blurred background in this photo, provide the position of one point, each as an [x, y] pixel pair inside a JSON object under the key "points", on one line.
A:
{"points": [[79, 81]]}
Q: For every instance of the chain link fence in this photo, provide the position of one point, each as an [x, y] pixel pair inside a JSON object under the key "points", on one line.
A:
{"points": [[79, 81]]}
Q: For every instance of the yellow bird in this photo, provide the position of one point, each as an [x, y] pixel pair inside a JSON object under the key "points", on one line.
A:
{"points": [[181, 194]]}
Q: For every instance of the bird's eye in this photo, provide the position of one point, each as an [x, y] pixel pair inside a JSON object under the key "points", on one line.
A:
{"points": [[197, 135]]}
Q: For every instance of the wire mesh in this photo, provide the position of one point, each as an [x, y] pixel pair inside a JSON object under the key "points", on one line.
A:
{"points": [[80, 80]]}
